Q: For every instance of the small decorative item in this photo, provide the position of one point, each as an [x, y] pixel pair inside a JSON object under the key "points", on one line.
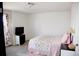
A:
{"points": [[77, 49], [76, 44]]}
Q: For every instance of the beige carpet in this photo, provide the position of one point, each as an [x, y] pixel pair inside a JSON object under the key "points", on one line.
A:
{"points": [[17, 50]]}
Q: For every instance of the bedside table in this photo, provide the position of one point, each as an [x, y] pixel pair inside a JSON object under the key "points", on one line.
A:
{"points": [[65, 51]]}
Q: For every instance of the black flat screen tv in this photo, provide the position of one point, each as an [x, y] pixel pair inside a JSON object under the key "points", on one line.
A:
{"points": [[19, 30]]}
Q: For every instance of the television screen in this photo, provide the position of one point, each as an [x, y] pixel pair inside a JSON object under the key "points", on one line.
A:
{"points": [[19, 30]]}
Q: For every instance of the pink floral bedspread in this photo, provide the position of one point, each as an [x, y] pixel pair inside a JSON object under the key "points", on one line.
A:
{"points": [[44, 46]]}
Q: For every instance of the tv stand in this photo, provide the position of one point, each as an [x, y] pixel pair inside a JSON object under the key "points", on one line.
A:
{"points": [[20, 39]]}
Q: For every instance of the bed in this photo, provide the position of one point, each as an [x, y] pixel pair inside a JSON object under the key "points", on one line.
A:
{"points": [[46, 45]]}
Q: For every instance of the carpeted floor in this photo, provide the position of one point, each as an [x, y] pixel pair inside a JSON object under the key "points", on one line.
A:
{"points": [[17, 50]]}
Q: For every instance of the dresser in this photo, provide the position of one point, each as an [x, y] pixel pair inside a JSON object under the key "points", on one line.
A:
{"points": [[20, 39]]}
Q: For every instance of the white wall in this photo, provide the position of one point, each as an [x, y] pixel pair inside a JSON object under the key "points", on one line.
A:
{"points": [[75, 21], [20, 20], [50, 23]]}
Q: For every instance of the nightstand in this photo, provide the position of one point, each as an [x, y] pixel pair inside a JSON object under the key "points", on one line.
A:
{"points": [[65, 51]]}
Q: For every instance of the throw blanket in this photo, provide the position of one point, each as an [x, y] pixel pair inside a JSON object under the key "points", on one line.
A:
{"points": [[45, 46]]}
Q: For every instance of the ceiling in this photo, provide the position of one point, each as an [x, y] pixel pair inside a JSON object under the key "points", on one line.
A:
{"points": [[37, 7]]}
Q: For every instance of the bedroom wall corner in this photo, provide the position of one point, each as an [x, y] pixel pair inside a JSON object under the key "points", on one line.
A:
{"points": [[20, 19]]}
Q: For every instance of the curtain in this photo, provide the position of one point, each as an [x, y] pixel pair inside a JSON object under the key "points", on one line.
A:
{"points": [[6, 31]]}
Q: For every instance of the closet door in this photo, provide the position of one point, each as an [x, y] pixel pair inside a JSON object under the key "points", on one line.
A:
{"points": [[2, 42]]}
